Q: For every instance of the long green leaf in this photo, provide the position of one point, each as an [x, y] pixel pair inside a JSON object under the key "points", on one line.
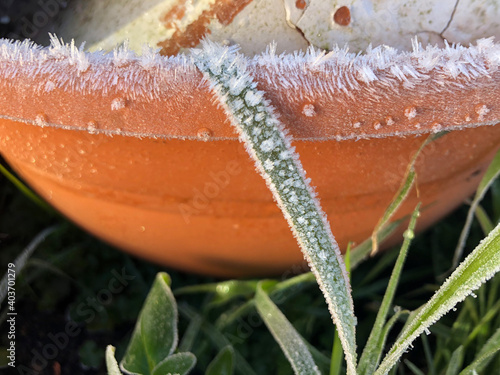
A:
{"points": [[489, 177], [285, 334], [22, 258], [268, 144], [179, 364], [476, 269], [373, 350], [155, 335]]}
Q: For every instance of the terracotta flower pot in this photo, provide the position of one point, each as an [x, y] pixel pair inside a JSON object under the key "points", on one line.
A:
{"points": [[137, 151]]}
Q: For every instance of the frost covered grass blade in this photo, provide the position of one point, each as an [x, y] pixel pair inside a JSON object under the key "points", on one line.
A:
{"points": [[479, 266], [376, 342], [284, 333], [489, 177], [269, 145]]}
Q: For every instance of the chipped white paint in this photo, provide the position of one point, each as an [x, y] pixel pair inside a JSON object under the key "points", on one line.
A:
{"points": [[106, 24], [257, 25]]}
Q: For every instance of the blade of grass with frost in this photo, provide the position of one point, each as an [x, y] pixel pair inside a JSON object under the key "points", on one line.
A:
{"points": [[484, 220], [455, 362], [476, 269], [402, 193], [21, 260], [111, 364], [485, 355], [376, 341], [291, 343], [489, 177], [269, 145]]}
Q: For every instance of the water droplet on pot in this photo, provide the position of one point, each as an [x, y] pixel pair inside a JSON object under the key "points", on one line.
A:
{"points": [[468, 118], [356, 125], [389, 120], [204, 134], [377, 125], [118, 103], [481, 110], [41, 120], [92, 127], [436, 126], [309, 110], [410, 112], [342, 16]]}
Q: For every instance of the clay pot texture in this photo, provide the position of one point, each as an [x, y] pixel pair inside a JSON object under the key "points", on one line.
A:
{"points": [[157, 169]]}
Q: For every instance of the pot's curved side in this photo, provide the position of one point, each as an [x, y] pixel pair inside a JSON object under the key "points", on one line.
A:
{"points": [[200, 206], [136, 150]]}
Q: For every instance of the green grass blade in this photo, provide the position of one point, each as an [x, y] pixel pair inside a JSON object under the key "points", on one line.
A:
{"points": [[223, 291], [111, 364], [414, 369], [291, 343], [489, 177], [190, 335], [485, 355], [20, 262], [484, 220], [26, 190], [476, 269], [218, 338], [336, 362], [403, 191], [223, 363], [336, 357], [268, 144], [373, 350], [363, 250], [456, 360]]}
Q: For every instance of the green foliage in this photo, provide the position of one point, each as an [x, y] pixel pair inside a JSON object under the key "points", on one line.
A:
{"points": [[155, 337], [223, 364]]}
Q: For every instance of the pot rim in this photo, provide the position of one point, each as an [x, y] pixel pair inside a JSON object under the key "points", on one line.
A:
{"points": [[319, 96]]}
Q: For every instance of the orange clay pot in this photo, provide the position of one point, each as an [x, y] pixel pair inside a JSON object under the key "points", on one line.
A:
{"points": [[165, 178]]}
